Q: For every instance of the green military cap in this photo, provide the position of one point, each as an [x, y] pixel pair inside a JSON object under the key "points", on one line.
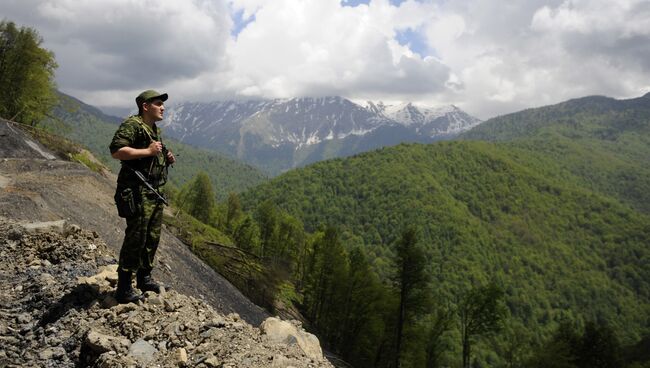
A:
{"points": [[149, 95]]}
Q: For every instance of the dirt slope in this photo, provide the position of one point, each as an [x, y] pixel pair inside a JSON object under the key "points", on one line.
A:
{"points": [[36, 186]]}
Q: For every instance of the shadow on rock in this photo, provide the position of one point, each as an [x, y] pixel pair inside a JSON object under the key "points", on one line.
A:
{"points": [[83, 296]]}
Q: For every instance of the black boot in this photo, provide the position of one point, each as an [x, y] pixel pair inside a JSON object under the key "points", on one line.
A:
{"points": [[125, 292], [145, 282]]}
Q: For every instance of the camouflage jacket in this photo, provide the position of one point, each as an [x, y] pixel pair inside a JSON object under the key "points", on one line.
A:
{"points": [[133, 132]]}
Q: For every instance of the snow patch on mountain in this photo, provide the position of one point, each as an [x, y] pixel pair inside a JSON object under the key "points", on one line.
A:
{"points": [[235, 126]]}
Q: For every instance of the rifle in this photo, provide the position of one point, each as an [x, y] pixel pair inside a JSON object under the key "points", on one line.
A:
{"points": [[148, 185]]}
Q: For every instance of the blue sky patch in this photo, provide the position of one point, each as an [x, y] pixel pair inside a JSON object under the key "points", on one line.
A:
{"points": [[354, 3], [239, 22], [414, 40]]}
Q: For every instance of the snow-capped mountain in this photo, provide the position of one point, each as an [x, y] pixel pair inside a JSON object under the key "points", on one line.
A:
{"points": [[430, 121], [280, 134]]}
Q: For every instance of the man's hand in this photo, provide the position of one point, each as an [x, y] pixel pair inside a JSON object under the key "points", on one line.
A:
{"points": [[170, 158], [155, 148]]}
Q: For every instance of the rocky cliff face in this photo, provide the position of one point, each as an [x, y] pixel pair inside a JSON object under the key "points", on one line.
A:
{"points": [[57, 310]]}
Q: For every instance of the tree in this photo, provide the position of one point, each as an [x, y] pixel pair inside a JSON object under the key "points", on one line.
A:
{"points": [[599, 347], [439, 323], [290, 239], [327, 273], [26, 75], [514, 344], [233, 212], [246, 234], [411, 281], [267, 219], [199, 198], [481, 312]]}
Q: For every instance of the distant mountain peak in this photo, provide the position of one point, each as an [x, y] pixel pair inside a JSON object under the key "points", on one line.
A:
{"points": [[410, 114], [247, 128]]}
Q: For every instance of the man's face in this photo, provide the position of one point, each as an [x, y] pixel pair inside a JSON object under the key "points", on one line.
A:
{"points": [[154, 109]]}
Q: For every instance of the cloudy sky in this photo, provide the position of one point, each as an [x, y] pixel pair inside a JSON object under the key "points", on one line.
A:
{"points": [[488, 57]]}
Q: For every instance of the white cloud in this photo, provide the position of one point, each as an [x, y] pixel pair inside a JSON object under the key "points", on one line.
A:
{"points": [[514, 55], [489, 57], [320, 47], [125, 45]]}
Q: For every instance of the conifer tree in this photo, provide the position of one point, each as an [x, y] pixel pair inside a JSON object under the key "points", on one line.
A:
{"points": [[411, 281], [200, 199], [233, 212], [290, 241], [267, 218], [246, 234], [327, 273]]}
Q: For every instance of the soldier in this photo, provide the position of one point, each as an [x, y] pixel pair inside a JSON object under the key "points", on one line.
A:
{"points": [[137, 143]]}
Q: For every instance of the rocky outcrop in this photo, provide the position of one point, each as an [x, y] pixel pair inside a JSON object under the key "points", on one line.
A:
{"points": [[57, 310]]}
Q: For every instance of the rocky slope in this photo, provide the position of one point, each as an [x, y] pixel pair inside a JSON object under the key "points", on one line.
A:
{"points": [[57, 310], [37, 186]]}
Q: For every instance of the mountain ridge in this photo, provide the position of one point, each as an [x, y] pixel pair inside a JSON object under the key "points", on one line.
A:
{"points": [[601, 141], [284, 133]]}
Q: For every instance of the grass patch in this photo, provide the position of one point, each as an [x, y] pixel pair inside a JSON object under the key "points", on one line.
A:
{"points": [[87, 159]]}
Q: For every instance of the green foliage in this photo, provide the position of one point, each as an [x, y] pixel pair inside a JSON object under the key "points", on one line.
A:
{"points": [[352, 311], [326, 272], [198, 199], [601, 143], [26, 75], [435, 327], [217, 250], [87, 159], [596, 346], [411, 281], [233, 211], [193, 232], [246, 234], [481, 312], [487, 212]]}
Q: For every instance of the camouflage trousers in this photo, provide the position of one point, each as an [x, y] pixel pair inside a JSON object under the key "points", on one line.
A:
{"points": [[142, 235]]}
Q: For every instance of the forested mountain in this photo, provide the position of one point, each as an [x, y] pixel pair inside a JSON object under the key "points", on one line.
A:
{"points": [[604, 143], [280, 134], [87, 125], [549, 215]]}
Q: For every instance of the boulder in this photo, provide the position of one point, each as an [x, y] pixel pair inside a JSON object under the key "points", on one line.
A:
{"points": [[101, 343], [277, 330], [106, 276], [142, 351], [43, 227]]}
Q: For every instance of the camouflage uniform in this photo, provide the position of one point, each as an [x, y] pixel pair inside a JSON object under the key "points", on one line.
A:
{"points": [[143, 228]]}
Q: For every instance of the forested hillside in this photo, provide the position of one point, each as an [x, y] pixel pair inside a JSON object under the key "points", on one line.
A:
{"points": [[89, 126], [545, 218], [604, 143]]}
